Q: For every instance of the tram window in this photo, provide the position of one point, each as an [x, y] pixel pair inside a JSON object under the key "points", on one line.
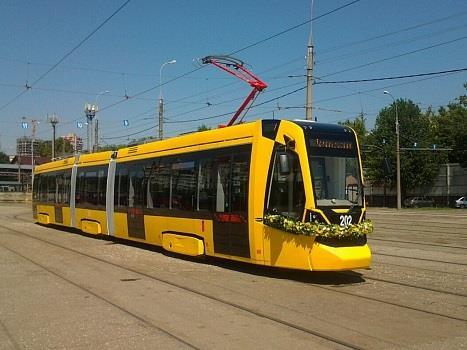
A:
{"points": [[286, 192], [58, 188], [66, 187], [222, 183], [239, 182], [183, 194], [80, 194], [43, 188], [51, 188], [135, 189], [91, 187], [121, 186], [207, 183], [36, 185], [102, 186], [159, 184]]}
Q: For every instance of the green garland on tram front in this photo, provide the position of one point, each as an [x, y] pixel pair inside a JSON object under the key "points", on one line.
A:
{"points": [[354, 231]]}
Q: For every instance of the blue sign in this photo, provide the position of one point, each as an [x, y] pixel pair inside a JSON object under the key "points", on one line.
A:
{"points": [[79, 124], [126, 122], [24, 125]]}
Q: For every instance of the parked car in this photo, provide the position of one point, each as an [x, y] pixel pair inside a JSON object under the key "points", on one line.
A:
{"points": [[417, 202], [461, 202]]}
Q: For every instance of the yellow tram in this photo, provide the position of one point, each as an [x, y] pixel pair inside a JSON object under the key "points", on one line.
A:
{"points": [[207, 193]]}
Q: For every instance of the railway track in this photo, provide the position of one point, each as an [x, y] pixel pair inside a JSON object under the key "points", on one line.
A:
{"points": [[347, 274], [420, 259], [320, 335], [417, 243]]}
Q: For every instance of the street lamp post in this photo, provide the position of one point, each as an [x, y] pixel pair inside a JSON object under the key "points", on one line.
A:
{"points": [[398, 154], [96, 134], [161, 100], [90, 112], [53, 120]]}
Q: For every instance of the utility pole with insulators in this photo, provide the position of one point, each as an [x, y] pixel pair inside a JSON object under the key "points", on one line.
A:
{"points": [[90, 112], [309, 71], [53, 120]]}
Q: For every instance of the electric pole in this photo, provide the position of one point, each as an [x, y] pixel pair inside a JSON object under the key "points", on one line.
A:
{"points": [[309, 71], [53, 120], [96, 136], [34, 123], [90, 112], [161, 100]]}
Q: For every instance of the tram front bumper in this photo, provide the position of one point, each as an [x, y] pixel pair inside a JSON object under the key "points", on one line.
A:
{"points": [[327, 258]]}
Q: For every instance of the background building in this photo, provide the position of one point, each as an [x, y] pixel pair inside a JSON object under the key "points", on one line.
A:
{"points": [[24, 146], [75, 141]]}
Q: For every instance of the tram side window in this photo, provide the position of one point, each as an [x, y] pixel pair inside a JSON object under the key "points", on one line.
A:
{"points": [[36, 185], [183, 194], [159, 184], [66, 187], [286, 192], [58, 187], [91, 187], [222, 183], [135, 189], [121, 186], [43, 188], [51, 187], [80, 194], [239, 182], [207, 182], [102, 186]]}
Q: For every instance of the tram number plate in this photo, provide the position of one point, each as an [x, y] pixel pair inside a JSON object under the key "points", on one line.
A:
{"points": [[345, 220]]}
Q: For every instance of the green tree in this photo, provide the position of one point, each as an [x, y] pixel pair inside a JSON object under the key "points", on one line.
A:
{"points": [[4, 158], [203, 127], [359, 126], [450, 125], [418, 168], [62, 147]]}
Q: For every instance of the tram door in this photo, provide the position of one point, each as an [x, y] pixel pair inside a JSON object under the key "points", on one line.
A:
{"points": [[135, 211], [231, 208]]}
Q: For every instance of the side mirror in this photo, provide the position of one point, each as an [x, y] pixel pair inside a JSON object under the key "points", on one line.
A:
{"points": [[284, 164]]}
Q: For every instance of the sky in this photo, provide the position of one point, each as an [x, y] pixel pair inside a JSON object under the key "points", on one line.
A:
{"points": [[364, 40]]}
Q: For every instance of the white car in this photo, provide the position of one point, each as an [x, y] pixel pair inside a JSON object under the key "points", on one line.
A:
{"points": [[461, 202]]}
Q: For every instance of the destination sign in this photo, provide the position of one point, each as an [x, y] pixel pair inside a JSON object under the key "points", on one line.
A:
{"points": [[331, 144]]}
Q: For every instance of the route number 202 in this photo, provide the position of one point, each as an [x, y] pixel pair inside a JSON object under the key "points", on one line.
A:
{"points": [[345, 220]]}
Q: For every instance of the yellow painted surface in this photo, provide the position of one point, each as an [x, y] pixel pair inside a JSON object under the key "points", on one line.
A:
{"points": [[48, 210], [60, 164], [182, 244], [91, 227], [341, 211], [98, 216], [302, 252], [120, 225], [66, 216], [43, 218], [283, 249], [324, 257]]}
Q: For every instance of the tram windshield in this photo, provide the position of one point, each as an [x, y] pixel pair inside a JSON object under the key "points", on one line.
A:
{"points": [[335, 169]]}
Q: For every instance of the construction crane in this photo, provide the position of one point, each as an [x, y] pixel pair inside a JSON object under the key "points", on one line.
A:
{"points": [[236, 68]]}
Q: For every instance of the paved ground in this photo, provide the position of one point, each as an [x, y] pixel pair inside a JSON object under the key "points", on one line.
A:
{"points": [[63, 290]]}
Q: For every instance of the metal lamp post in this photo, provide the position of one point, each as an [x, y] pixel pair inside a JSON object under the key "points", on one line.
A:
{"points": [[398, 155], [161, 100], [90, 112], [96, 134], [53, 120]]}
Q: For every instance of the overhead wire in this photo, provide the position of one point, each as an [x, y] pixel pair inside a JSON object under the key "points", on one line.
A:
{"points": [[67, 54]]}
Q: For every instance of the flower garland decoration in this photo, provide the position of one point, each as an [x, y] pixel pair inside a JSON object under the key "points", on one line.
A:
{"points": [[353, 231]]}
